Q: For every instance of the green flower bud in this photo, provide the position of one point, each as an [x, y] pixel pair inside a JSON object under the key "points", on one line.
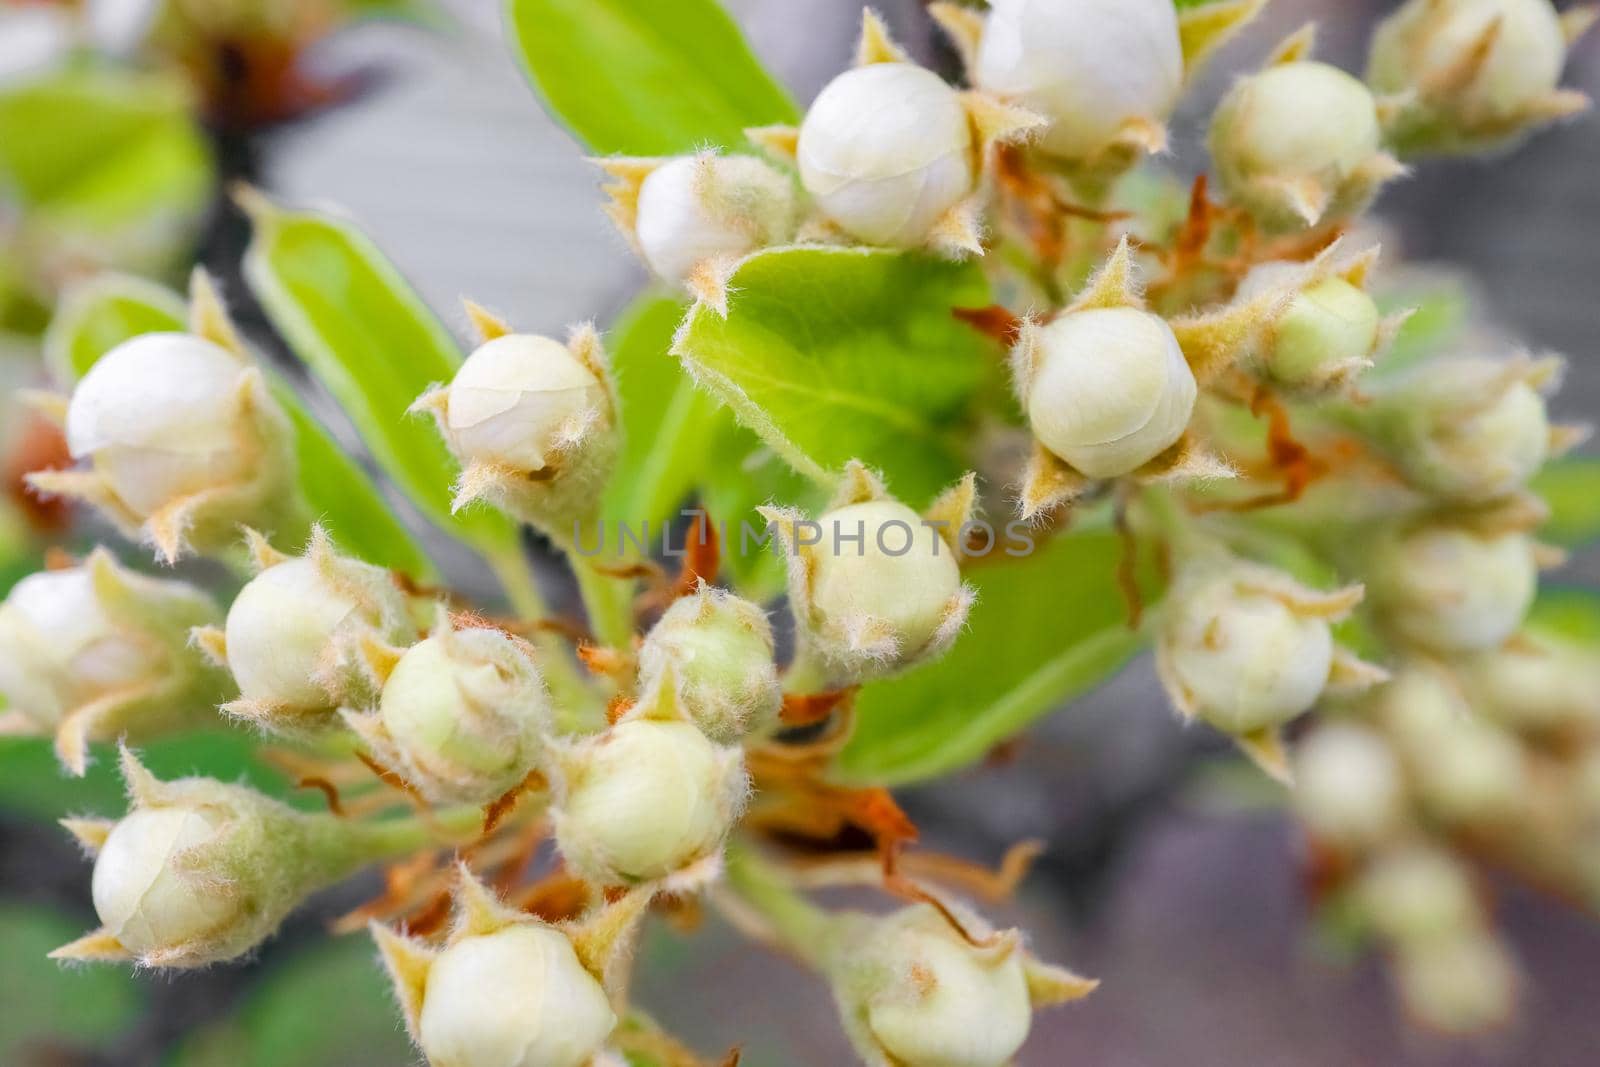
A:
{"points": [[718, 649], [1467, 430], [1109, 389], [1473, 74], [648, 800], [1348, 788], [462, 716], [914, 991], [294, 635], [1290, 173], [1449, 588], [533, 423], [1327, 335], [1474, 773], [199, 872], [1458, 985], [1539, 684], [96, 652], [875, 587], [507, 990], [1418, 894]]}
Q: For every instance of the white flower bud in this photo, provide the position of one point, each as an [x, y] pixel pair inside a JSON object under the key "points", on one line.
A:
{"points": [[1093, 67], [1475, 72], [95, 652], [464, 714], [1347, 785], [533, 423], [1473, 773], [517, 997], [1459, 985], [141, 900], [294, 632], [1329, 330], [1468, 430], [719, 652], [1242, 651], [32, 40], [1418, 894], [645, 800], [886, 150], [1110, 390], [695, 209], [1539, 684], [1289, 172], [1452, 589]]}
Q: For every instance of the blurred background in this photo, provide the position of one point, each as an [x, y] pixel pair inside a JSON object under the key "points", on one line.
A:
{"points": [[1170, 873]]}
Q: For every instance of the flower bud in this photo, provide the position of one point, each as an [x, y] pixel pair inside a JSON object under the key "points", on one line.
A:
{"points": [[649, 799], [33, 40], [1327, 335], [1103, 71], [1247, 649], [875, 587], [1109, 390], [185, 442], [1449, 588], [95, 652], [1458, 985], [507, 990], [693, 213], [885, 151], [1474, 74], [1347, 786], [462, 715], [198, 871], [1418, 894], [294, 633], [718, 649], [1468, 430], [1539, 683], [1474, 773], [914, 990], [533, 423], [1290, 173]]}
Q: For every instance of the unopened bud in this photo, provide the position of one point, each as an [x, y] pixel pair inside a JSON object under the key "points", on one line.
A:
{"points": [[1419, 893], [1288, 172], [1327, 335], [533, 423], [1539, 684], [1102, 71], [1347, 785], [1459, 985], [1468, 430], [95, 652], [1472, 74], [1449, 588], [649, 799], [1475, 773], [886, 150], [294, 634], [1109, 390], [462, 716], [718, 649]]}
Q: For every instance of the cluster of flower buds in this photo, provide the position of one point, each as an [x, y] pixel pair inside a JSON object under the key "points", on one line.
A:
{"points": [[533, 423], [295, 635], [461, 716], [506, 990], [198, 872], [184, 441], [1290, 173], [93, 652], [875, 588], [1471, 75]]}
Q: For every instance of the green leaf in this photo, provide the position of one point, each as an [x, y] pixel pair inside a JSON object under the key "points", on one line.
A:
{"points": [[835, 354], [645, 79], [347, 313], [106, 163], [31, 782], [1046, 627], [50, 1009], [1572, 489], [102, 313], [285, 1019]]}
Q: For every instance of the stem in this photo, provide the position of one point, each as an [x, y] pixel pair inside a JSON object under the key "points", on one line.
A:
{"points": [[807, 673], [794, 922], [576, 700], [337, 848], [607, 600]]}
